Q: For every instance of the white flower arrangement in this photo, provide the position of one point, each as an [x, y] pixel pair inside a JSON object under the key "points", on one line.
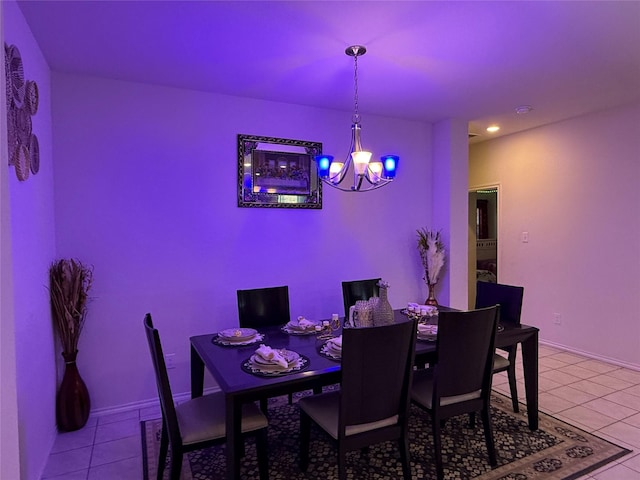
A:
{"points": [[432, 254]]}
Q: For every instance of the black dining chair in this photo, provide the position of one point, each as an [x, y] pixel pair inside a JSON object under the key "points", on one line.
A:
{"points": [[372, 404], [200, 422], [460, 380], [263, 307], [355, 290], [509, 298]]}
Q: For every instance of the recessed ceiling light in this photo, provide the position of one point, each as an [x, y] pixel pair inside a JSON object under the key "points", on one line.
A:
{"points": [[523, 109], [493, 128]]}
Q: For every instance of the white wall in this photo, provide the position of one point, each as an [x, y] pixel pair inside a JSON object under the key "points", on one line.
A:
{"points": [[33, 249], [146, 192], [573, 186], [449, 197], [9, 448]]}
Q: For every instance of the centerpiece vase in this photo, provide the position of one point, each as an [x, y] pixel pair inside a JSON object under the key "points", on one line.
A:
{"points": [[431, 299], [72, 402], [382, 311]]}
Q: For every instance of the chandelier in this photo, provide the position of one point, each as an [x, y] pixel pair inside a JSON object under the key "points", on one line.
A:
{"points": [[367, 174]]}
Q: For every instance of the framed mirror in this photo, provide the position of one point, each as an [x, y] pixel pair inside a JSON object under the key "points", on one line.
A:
{"points": [[278, 173]]}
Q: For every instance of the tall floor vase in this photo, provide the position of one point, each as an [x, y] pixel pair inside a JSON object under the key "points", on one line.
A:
{"points": [[72, 402], [431, 299]]}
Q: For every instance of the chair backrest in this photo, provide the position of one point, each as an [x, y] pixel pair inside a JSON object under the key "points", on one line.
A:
{"points": [[509, 298], [358, 290], [464, 348], [377, 371], [162, 382], [263, 307]]}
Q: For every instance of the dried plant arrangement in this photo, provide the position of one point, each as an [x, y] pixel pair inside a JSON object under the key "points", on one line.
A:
{"points": [[432, 255], [69, 284]]}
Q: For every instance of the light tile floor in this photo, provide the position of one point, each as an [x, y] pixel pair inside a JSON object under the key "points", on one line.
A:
{"points": [[598, 397]]}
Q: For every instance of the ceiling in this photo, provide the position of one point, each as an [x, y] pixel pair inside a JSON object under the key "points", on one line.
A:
{"points": [[425, 60]]}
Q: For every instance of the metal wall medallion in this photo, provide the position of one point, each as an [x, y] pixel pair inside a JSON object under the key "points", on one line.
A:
{"points": [[22, 104]]}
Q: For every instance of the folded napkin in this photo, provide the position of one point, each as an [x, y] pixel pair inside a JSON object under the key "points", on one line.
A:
{"points": [[271, 356], [337, 342], [305, 324]]}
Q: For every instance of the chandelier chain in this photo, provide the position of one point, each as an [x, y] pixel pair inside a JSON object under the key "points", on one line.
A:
{"points": [[356, 114]]}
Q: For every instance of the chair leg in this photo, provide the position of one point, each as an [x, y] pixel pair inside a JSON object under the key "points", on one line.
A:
{"points": [[437, 445], [511, 374], [305, 434], [176, 465], [263, 405], [263, 454], [342, 463], [164, 446], [403, 444], [472, 420], [488, 435]]}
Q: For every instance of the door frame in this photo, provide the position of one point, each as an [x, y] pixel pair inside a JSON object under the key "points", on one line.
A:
{"points": [[472, 271]]}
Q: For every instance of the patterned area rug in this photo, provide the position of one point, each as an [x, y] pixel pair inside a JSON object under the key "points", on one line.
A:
{"points": [[556, 451]]}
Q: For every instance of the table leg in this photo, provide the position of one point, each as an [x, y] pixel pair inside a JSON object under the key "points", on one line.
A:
{"points": [[234, 437], [530, 367], [197, 374]]}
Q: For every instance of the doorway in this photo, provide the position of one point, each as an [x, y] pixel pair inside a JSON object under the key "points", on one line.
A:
{"points": [[483, 237]]}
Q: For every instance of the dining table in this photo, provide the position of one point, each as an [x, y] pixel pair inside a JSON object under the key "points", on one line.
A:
{"points": [[227, 364]]}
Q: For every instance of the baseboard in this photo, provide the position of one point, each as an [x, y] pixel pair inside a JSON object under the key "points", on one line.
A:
{"points": [[613, 361], [153, 402]]}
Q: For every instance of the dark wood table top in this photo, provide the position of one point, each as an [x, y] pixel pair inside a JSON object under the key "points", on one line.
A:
{"points": [[224, 363]]}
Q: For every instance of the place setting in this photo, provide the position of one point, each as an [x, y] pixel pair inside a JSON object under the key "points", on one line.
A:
{"points": [[237, 337], [421, 312], [427, 332], [332, 348], [301, 326], [273, 362]]}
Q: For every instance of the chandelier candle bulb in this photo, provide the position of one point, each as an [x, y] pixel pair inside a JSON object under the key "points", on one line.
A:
{"points": [[335, 172], [360, 161], [375, 171]]}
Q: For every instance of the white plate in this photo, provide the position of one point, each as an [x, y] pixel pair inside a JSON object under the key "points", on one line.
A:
{"points": [[293, 325], [237, 334], [330, 352], [289, 355], [264, 365], [332, 346], [258, 337], [332, 349]]}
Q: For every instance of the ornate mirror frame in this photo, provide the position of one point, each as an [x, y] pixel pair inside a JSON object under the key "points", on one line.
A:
{"points": [[278, 173]]}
